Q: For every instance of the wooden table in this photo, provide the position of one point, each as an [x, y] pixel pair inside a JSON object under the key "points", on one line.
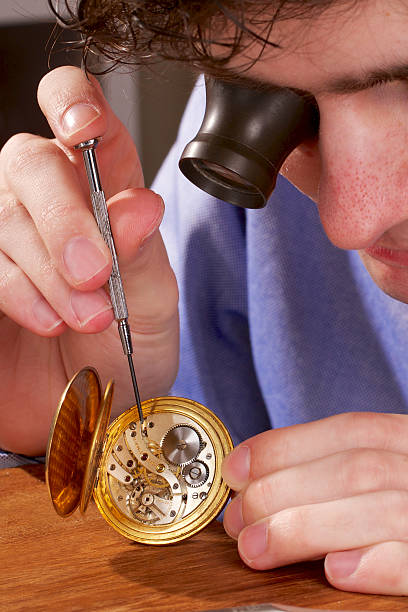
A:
{"points": [[80, 563]]}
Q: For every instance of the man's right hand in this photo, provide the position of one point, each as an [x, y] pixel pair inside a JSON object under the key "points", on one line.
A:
{"points": [[55, 313]]}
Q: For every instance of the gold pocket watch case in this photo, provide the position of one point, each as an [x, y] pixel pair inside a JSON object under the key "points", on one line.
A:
{"points": [[156, 485]]}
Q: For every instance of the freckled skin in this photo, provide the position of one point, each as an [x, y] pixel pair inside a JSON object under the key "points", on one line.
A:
{"points": [[357, 172]]}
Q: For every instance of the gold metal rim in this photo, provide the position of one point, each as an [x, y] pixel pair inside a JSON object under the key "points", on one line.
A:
{"points": [[96, 448], [205, 512]]}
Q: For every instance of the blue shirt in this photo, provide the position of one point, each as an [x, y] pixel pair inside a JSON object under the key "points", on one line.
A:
{"points": [[278, 326]]}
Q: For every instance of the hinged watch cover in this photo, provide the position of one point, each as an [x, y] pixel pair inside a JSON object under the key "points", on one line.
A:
{"points": [[156, 485], [75, 442]]}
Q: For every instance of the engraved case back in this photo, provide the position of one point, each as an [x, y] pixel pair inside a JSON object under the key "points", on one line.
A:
{"points": [[70, 439]]}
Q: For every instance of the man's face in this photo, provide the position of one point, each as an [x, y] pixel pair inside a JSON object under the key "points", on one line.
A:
{"points": [[357, 172]]}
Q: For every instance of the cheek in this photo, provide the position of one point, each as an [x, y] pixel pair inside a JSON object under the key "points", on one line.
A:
{"points": [[302, 168]]}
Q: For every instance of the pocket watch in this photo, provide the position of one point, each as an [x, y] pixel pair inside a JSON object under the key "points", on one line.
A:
{"points": [[156, 483]]}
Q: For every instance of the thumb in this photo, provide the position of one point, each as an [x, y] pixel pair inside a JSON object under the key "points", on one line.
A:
{"points": [[76, 110], [380, 569]]}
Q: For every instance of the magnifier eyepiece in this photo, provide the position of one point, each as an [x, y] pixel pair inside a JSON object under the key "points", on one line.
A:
{"points": [[245, 137], [225, 178]]}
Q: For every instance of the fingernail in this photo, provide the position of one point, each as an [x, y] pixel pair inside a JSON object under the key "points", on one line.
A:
{"points": [[342, 565], [233, 521], [83, 259], [236, 467], [87, 306], [45, 315], [253, 541], [78, 117]]}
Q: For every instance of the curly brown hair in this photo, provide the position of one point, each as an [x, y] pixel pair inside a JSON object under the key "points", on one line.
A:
{"points": [[205, 34]]}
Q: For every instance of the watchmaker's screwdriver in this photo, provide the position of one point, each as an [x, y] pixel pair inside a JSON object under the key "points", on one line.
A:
{"points": [[116, 291]]}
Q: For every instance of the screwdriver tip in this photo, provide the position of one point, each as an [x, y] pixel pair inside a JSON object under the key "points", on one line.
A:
{"points": [[135, 389]]}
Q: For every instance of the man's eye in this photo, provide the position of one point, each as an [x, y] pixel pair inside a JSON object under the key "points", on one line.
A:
{"points": [[378, 82]]}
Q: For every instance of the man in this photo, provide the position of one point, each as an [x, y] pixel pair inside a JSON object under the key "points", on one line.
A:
{"points": [[278, 327]]}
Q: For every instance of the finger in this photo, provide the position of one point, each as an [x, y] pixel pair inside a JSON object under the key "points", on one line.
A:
{"points": [[22, 245], [33, 312], [306, 532], [337, 476], [40, 176], [44, 175], [149, 281], [381, 569], [151, 293], [76, 110], [135, 215], [288, 446], [39, 282]]}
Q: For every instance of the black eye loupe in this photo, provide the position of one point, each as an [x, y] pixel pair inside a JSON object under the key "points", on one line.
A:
{"points": [[245, 137]]}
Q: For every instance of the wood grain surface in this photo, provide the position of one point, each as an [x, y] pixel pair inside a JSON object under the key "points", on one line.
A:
{"points": [[80, 563]]}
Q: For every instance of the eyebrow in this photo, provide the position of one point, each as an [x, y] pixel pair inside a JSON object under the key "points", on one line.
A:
{"points": [[343, 85], [340, 85]]}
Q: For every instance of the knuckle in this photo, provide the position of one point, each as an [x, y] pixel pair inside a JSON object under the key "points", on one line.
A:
{"points": [[397, 570], [9, 207], [172, 297], [363, 469], [46, 267], [256, 501], [8, 278], [359, 423], [16, 152], [26, 153], [14, 144], [288, 526], [52, 213], [163, 306], [396, 502], [4, 282], [373, 430], [390, 515]]}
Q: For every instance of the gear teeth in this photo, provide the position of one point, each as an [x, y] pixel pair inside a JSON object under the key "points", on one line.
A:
{"points": [[201, 444], [201, 479]]}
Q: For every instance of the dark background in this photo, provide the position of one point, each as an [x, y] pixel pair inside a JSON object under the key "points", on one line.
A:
{"points": [[23, 61], [25, 57]]}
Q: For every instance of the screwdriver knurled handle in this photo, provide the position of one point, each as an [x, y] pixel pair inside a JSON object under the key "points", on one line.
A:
{"points": [[117, 293]]}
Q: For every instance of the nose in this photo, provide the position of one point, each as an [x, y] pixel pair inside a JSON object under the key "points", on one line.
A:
{"points": [[364, 165]]}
